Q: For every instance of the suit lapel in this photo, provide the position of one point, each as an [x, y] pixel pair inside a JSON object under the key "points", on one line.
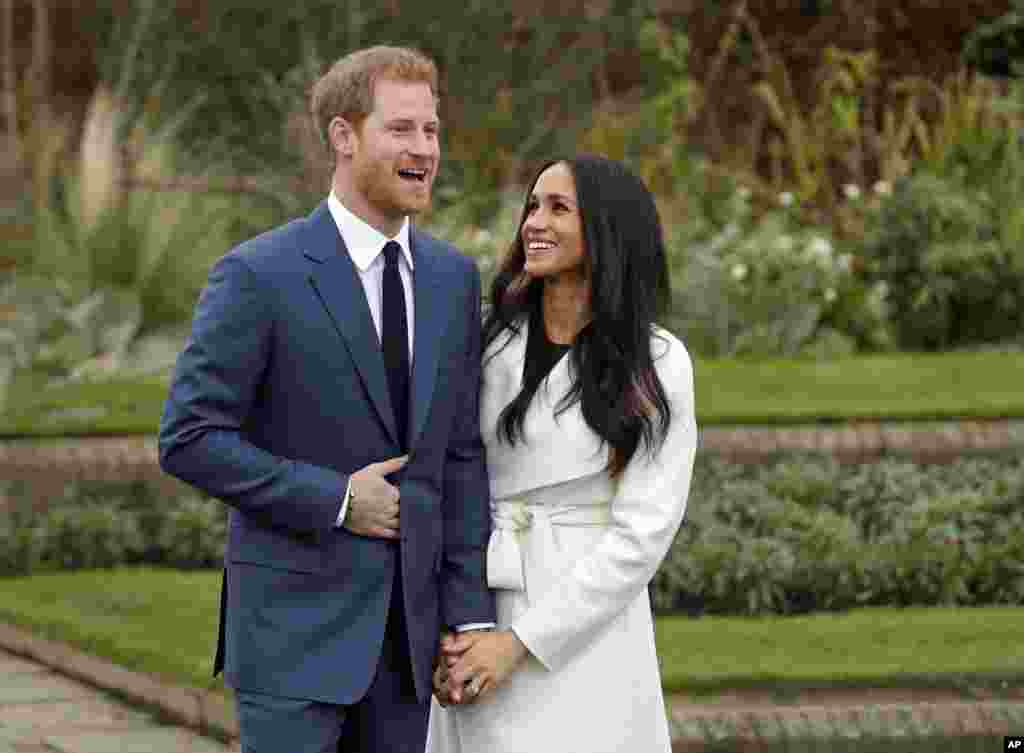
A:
{"points": [[431, 312], [336, 284]]}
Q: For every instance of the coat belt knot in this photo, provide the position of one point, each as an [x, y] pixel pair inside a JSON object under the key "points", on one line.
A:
{"points": [[523, 541]]}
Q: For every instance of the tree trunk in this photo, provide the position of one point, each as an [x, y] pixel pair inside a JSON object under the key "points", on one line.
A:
{"points": [[42, 63], [10, 96]]}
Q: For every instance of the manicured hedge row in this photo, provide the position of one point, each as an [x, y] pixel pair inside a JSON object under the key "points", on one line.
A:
{"points": [[103, 524], [807, 534], [801, 534]]}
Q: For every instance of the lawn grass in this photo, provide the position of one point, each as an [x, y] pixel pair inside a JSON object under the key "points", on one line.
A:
{"points": [[946, 647], [164, 622], [116, 407], [895, 387]]}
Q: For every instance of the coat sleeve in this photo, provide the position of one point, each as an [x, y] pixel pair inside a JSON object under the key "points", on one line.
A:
{"points": [[465, 597], [212, 392], [646, 511]]}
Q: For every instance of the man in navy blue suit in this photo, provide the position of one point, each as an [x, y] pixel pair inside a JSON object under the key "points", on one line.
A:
{"points": [[329, 394]]}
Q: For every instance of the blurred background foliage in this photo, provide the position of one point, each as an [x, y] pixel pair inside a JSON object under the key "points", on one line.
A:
{"points": [[835, 176]]}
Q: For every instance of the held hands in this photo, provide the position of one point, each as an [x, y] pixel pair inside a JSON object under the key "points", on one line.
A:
{"points": [[373, 500], [473, 663]]}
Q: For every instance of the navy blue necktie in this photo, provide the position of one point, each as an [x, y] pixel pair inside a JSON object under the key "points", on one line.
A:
{"points": [[395, 339]]}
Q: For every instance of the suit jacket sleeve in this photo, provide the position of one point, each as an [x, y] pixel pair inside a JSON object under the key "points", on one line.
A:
{"points": [[466, 495], [646, 513], [216, 381]]}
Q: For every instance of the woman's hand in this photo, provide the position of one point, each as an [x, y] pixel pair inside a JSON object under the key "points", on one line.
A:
{"points": [[477, 662]]}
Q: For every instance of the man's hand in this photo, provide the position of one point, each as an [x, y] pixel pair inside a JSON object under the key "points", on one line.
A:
{"points": [[477, 661], [373, 500]]}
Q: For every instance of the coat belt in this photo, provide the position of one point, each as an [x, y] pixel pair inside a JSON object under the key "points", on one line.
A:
{"points": [[522, 554]]}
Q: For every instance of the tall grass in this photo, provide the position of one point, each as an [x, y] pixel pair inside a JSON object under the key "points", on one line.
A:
{"points": [[99, 227]]}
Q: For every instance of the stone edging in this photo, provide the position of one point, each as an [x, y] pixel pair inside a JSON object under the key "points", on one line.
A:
{"points": [[204, 711], [862, 441], [750, 729]]}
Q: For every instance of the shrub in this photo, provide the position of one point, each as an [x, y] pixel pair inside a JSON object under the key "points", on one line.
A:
{"points": [[192, 534], [759, 283], [90, 536], [101, 524], [950, 279], [801, 534], [806, 533]]}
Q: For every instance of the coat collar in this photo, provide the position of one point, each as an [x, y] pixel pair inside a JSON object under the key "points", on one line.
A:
{"points": [[335, 282]]}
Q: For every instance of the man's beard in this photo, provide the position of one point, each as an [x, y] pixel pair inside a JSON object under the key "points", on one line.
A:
{"points": [[385, 194]]}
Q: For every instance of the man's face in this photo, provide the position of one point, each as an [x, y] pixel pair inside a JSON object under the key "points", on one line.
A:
{"points": [[396, 153]]}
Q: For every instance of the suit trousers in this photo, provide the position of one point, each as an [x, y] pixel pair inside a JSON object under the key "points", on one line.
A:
{"points": [[387, 719]]}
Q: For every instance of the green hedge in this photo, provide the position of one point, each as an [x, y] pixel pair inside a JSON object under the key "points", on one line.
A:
{"points": [[808, 534], [799, 535], [104, 524]]}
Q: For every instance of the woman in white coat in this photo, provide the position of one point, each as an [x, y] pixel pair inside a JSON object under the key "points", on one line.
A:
{"points": [[588, 416]]}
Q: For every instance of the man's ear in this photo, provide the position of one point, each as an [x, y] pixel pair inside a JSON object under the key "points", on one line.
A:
{"points": [[343, 137]]}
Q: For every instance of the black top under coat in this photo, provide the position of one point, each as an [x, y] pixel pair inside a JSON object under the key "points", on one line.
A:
{"points": [[541, 353]]}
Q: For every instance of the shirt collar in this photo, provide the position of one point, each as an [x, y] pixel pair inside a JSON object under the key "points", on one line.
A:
{"points": [[364, 242]]}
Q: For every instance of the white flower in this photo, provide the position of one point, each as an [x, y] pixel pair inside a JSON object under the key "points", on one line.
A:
{"points": [[852, 191], [820, 249], [830, 295], [786, 199], [845, 262], [883, 188], [739, 272]]}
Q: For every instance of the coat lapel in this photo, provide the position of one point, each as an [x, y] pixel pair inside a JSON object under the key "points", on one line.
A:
{"points": [[431, 311], [336, 284]]}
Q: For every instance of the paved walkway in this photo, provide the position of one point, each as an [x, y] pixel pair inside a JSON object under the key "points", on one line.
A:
{"points": [[45, 712]]}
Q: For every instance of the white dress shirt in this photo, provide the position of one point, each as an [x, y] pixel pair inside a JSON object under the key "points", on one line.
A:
{"points": [[365, 244]]}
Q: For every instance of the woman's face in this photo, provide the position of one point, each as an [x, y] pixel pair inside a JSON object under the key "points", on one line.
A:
{"points": [[552, 233]]}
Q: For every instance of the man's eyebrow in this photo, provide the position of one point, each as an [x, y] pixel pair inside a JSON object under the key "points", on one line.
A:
{"points": [[412, 121]]}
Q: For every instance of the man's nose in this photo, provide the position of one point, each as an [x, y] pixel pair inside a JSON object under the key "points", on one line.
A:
{"points": [[425, 144]]}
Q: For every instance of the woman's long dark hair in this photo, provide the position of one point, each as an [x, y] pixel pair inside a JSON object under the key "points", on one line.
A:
{"points": [[622, 399]]}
